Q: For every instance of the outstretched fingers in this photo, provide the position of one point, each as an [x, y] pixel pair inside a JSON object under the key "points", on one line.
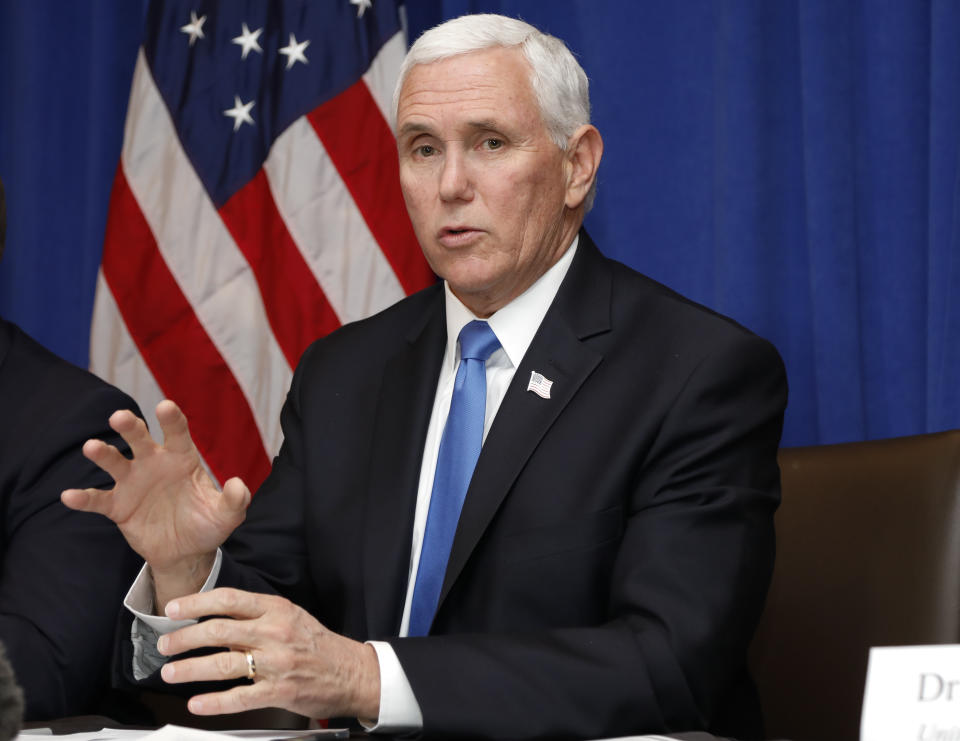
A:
{"points": [[176, 429], [110, 460], [236, 495], [88, 500], [134, 432]]}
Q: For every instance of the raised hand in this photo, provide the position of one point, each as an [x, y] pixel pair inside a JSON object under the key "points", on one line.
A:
{"points": [[295, 662], [163, 500]]}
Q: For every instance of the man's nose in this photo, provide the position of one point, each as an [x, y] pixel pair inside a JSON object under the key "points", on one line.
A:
{"points": [[455, 181]]}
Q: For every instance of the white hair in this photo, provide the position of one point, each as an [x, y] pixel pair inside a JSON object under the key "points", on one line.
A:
{"points": [[559, 83]]}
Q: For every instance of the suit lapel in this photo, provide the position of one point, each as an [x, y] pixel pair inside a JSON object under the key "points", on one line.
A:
{"points": [[580, 310], [403, 413]]}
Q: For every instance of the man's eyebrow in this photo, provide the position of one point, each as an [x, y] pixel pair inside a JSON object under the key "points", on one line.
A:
{"points": [[413, 128], [487, 124]]}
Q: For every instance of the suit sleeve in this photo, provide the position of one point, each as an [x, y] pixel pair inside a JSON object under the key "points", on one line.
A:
{"points": [[63, 572], [687, 588]]}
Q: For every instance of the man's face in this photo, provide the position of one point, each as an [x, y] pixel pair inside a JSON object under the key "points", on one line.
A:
{"points": [[483, 181]]}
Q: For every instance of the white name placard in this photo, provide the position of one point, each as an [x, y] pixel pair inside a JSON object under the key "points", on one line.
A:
{"points": [[912, 694]]}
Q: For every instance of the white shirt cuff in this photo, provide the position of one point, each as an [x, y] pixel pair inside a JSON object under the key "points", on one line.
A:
{"points": [[139, 599], [147, 627], [399, 709]]}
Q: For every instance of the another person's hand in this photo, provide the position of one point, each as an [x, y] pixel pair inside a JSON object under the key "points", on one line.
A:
{"points": [[295, 662], [163, 500]]}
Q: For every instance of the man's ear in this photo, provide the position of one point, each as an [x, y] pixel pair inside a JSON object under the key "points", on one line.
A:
{"points": [[583, 154]]}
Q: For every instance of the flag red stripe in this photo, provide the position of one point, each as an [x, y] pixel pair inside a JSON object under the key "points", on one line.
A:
{"points": [[165, 330], [297, 309], [363, 150]]}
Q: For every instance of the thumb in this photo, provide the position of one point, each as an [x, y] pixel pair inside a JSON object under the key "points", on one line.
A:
{"points": [[236, 495]]}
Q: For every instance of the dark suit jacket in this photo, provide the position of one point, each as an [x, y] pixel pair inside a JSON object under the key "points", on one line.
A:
{"points": [[62, 573], [616, 542]]}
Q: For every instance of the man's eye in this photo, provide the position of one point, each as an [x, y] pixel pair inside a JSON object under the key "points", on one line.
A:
{"points": [[425, 150], [493, 143]]}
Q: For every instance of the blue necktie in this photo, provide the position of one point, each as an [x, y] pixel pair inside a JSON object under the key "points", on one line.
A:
{"points": [[459, 450]]}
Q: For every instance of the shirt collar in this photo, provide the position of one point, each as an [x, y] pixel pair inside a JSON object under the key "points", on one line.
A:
{"points": [[516, 323]]}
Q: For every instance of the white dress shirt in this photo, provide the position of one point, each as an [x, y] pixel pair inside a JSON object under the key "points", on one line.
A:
{"points": [[515, 326]]}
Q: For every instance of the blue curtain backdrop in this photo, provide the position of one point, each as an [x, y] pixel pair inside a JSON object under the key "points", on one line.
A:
{"points": [[794, 164]]}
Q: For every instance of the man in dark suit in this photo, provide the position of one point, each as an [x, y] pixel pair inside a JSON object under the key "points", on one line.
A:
{"points": [[607, 558], [61, 571]]}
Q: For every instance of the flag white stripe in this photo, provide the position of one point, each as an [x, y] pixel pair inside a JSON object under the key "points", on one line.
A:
{"points": [[202, 256], [382, 75], [327, 226]]}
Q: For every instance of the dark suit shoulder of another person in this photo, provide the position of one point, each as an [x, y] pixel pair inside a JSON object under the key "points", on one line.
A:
{"points": [[62, 573]]}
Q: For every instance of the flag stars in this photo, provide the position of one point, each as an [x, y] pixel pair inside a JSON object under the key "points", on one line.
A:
{"points": [[248, 41], [294, 51], [240, 113], [194, 28], [362, 5]]}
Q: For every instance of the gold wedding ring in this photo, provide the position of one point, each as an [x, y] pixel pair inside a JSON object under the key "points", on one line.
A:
{"points": [[251, 665]]}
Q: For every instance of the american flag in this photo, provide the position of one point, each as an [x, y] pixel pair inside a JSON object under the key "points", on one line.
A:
{"points": [[539, 384], [256, 207]]}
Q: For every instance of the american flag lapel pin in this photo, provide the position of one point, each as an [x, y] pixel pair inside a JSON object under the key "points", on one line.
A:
{"points": [[539, 384]]}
